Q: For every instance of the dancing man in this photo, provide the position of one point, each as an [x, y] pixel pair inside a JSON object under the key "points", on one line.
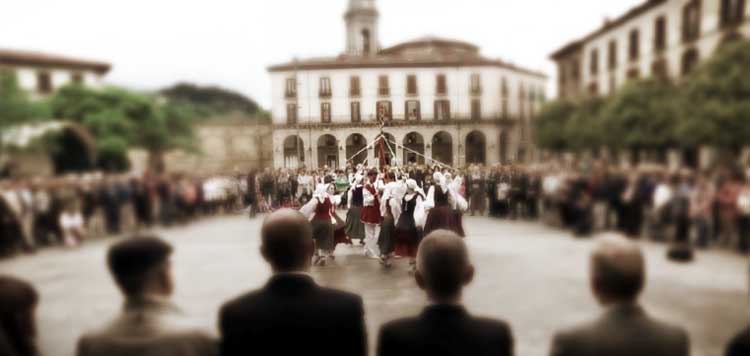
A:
{"points": [[371, 215]]}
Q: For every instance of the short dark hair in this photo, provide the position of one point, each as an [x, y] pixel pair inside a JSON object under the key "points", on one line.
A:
{"points": [[17, 326], [286, 242], [443, 261], [130, 261]]}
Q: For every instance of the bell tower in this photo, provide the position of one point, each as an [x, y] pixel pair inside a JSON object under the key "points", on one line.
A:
{"points": [[362, 28]]}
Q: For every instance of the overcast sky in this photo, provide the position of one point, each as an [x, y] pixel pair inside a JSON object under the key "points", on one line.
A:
{"points": [[230, 43]]}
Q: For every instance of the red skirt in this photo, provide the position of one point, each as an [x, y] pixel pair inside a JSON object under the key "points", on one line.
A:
{"points": [[339, 232], [371, 215], [444, 218]]}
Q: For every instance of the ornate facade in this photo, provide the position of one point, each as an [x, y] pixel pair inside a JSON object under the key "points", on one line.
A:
{"points": [[440, 99]]}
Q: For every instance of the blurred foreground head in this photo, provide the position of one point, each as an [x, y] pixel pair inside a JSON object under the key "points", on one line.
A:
{"points": [[617, 270], [443, 266], [140, 266], [287, 241], [18, 300]]}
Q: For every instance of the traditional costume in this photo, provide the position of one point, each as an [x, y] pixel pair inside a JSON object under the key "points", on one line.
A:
{"points": [[321, 210], [443, 202], [371, 216], [355, 228], [390, 209], [410, 223]]}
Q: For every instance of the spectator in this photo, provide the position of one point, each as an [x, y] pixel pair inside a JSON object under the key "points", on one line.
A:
{"points": [[444, 328], [71, 223], [617, 278], [18, 301], [149, 324], [291, 305]]}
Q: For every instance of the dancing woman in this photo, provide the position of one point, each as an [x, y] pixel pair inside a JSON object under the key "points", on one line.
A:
{"points": [[321, 211], [355, 228], [371, 215], [390, 209], [442, 202], [410, 223]]}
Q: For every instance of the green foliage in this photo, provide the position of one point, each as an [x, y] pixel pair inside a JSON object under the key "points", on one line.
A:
{"points": [[15, 106], [212, 101], [717, 99], [643, 115], [112, 153], [550, 125], [584, 128]]}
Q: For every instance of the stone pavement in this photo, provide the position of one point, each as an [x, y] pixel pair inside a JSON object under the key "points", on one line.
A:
{"points": [[532, 276]]}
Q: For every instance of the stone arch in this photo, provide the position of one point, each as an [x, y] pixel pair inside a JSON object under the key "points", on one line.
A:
{"points": [[476, 147], [355, 144], [413, 148], [328, 151], [294, 152], [442, 147]]}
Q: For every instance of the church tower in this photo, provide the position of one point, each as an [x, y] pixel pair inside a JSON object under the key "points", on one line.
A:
{"points": [[362, 28]]}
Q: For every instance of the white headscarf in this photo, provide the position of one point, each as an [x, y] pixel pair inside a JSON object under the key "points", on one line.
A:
{"points": [[439, 179], [321, 191]]}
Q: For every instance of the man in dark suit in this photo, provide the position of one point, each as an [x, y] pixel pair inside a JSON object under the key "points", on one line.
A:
{"points": [[740, 344], [625, 329], [292, 315], [445, 327]]}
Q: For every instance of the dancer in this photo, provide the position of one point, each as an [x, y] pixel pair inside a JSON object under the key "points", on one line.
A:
{"points": [[410, 223], [320, 209], [390, 209], [441, 201], [371, 215], [355, 228]]}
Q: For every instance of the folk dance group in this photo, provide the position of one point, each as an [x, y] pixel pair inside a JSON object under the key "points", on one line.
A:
{"points": [[389, 213]]}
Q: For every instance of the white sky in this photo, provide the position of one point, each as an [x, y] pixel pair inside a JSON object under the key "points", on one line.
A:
{"points": [[156, 43]]}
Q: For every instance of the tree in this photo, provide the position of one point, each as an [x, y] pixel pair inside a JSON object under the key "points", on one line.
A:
{"points": [[210, 101], [550, 123], [643, 115], [584, 130], [717, 108]]}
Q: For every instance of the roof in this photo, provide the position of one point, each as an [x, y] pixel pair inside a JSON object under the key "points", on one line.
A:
{"points": [[419, 53], [609, 25], [39, 59]]}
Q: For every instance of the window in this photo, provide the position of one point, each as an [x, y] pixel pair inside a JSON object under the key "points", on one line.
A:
{"points": [[383, 88], [43, 83], [76, 78], [366, 41], [732, 12], [356, 114], [291, 113], [476, 109], [442, 110], [291, 88], [411, 85], [325, 87], [660, 69], [594, 62], [689, 60], [325, 113], [521, 102], [660, 34], [476, 84], [634, 45], [354, 86], [612, 55], [691, 21], [384, 111], [634, 73], [412, 111], [441, 86], [504, 93], [593, 89]]}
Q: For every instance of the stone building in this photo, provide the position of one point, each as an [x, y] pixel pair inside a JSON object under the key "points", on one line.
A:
{"points": [[41, 74], [439, 99], [659, 38]]}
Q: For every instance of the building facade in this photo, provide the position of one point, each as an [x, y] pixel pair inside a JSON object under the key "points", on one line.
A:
{"points": [[659, 38], [41, 74], [439, 100]]}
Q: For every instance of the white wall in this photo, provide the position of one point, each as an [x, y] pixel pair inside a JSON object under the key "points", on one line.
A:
{"points": [[27, 78], [710, 37]]}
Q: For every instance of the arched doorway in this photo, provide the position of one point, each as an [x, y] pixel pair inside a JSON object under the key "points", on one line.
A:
{"points": [[442, 148], [503, 144], [355, 149], [476, 151], [413, 148], [294, 152], [328, 152]]}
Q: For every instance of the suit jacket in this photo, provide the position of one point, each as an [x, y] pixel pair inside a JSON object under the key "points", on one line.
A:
{"points": [[740, 345], [623, 330], [445, 330], [148, 327], [292, 315]]}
